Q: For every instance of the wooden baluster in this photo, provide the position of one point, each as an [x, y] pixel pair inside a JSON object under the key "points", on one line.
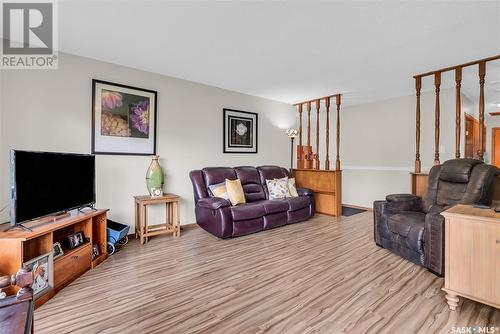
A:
{"points": [[308, 157], [327, 160], [482, 74], [437, 84], [300, 160], [316, 159], [337, 161], [458, 110], [418, 164]]}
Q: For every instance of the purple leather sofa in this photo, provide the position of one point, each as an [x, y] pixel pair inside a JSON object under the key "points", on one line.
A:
{"points": [[218, 217]]}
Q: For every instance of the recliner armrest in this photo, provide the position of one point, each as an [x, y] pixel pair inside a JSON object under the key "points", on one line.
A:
{"points": [[305, 192], [213, 203], [404, 202]]}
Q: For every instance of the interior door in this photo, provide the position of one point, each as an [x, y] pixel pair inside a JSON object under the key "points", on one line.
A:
{"points": [[469, 137], [472, 137], [495, 147]]}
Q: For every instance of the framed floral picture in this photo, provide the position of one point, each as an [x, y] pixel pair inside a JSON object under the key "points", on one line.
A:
{"points": [[240, 130], [123, 119]]}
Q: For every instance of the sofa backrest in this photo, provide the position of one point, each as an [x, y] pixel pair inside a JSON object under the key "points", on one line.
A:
{"points": [[466, 181], [269, 173], [250, 180], [199, 187], [215, 175]]}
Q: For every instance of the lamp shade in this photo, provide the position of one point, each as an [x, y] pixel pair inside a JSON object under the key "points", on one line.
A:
{"points": [[292, 133]]}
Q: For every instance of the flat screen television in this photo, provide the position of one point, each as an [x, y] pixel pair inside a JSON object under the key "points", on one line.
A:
{"points": [[46, 183]]}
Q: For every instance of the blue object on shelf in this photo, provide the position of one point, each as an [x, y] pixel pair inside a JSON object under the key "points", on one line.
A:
{"points": [[116, 233]]}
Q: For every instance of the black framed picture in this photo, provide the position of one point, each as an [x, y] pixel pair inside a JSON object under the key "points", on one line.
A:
{"points": [[240, 131], [123, 119]]}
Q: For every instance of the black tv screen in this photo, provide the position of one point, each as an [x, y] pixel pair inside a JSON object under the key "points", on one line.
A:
{"points": [[44, 183]]}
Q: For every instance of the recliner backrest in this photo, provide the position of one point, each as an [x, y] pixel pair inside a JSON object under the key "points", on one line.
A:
{"points": [[250, 180], [270, 173], [466, 181], [216, 175], [249, 177]]}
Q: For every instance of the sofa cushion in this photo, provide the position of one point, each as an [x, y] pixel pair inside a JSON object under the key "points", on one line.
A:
{"points": [[250, 180], [215, 175], [275, 206], [297, 203], [247, 211], [409, 226]]}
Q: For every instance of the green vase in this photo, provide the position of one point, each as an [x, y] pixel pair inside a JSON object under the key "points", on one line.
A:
{"points": [[154, 178]]}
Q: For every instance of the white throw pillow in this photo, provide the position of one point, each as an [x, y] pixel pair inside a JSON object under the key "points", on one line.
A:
{"points": [[278, 188], [219, 190], [292, 190]]}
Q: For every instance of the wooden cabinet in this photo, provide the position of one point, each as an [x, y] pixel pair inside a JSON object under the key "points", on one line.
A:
{"points": [[71, 265], [18, 247], [419, 182], [472, 255], [327, 188]]}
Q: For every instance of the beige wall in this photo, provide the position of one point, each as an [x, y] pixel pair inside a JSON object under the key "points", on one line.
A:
{"points": [[51, 111], [4, 209], [378, 144]]}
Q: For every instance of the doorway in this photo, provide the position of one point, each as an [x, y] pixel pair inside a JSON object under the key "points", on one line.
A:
{"points": [[472, 136], [495, 146]]}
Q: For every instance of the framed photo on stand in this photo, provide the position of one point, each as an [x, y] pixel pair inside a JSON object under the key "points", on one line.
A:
{"points": [[43, 274], [57, 250], [76, 239]]}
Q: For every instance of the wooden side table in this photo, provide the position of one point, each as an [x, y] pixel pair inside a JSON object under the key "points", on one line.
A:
{"points": [[171, 225], [472, 255]]}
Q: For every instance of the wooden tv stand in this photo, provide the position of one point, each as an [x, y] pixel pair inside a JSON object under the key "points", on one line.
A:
{"points": [[18, 246]]}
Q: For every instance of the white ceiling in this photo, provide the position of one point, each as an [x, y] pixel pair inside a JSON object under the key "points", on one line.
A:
{"points": [[289, 50]]}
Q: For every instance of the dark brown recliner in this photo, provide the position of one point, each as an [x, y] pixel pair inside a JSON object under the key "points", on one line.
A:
{"points": [[413, 227]]}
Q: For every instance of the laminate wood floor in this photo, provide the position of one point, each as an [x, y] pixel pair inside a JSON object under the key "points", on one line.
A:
{"points": [[321, 276]]}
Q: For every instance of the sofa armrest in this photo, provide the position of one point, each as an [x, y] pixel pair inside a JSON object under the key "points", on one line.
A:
{"points": [[404, 202], [305, 192], [213, 203], [434, 243]]}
